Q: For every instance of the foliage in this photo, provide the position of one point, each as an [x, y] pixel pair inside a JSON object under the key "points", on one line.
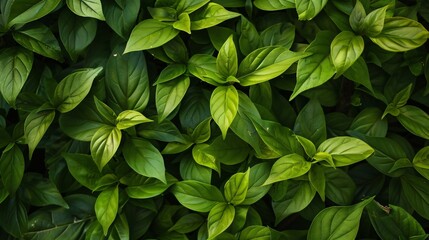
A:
{"points": [[222, 119]]}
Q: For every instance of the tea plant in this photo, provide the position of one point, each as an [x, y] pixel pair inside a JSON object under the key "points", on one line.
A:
{"points": [[222, 119]]}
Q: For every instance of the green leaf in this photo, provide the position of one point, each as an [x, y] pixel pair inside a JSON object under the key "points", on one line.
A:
{"points": [[150, 34], [130, 118], [39, 191], [288, 167], [107, 114], [171, 72], [16, 66], [314, 130], [415, 120], [144, 158], [227, 59], [307, 145], [266, 63], [337, 222], [76, 33], [197, 196], [346, 150], [357, 17], [202, 131], [415, 191], [204, 158], [346, 48], [255, 233], [210, 15], [106, 207], [149, 188], [104, 144], [83, 169], [12, 166], [219, 219], [35, 126], [127, 80], [189, 6], [164, 131], [249, 37], [373, 23], [190, 170], [236, 188], [278, 138], [308, 9], [82, 122], [187, 223], [393, 222], [316, 69], [204, 67], [121, 15], [274, 5], [169, 95], [370, 123], [224, 107], [183, 23], [401, 34], [298, 196], [279, 34], [13, 217], [74, 88], [316, 176], [31, 12], [39, 39], [359, 73], [340, 187], [120, 228], [86, 8], [258, 175], [421, 162]]}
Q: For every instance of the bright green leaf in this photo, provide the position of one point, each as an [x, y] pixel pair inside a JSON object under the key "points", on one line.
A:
{"points": [[219, 219], [236, 188], [224, 106], [197, 196], [288, 167], [86, 8], [106, 207], [104, 144]]}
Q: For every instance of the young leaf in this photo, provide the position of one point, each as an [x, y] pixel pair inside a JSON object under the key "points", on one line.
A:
{"points": [[197, 196], [130, 118], [298, 196], [83, 169], [415, 120], [35, 126], [357, 17], [204, 158], [266, 63], [337, 222], [224, 106], [227, 59], [236, 188], [346, 48], [219, 219], [393, 222], [274, 5], [74, 88], [346, 150], [31, 12], [149, 34], [373, 23], [169, 95], [107, 114], [308, 9], [106, 207], [127, 81], [183, 23], [16, 66], [421, 162], [204, 67], [121, 15], [401, 34], [288, 167], [39, 39], [210, 15], [314, 130], [144, 158], [104, 144], [86, 8], [316, 69], [12, 166], [76, 33]]}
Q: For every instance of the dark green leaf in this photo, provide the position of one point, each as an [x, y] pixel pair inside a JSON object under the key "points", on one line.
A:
{"points": [[35, 126], [39, 191], [314, 130], [197, 196], [415, 120], [12, 167], [126, 11], [416, 192], [421, 162], [23, 13]]}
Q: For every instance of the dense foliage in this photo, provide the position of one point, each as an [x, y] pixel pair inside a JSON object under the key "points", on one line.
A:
{"points": [[222, 119]]}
